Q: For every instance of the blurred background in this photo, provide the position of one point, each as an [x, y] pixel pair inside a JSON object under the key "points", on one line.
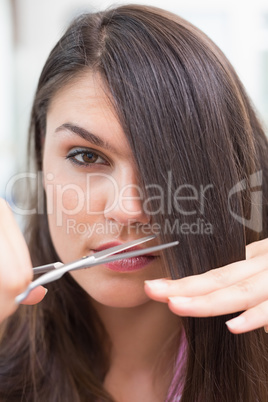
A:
{"points": [[29, 29]]}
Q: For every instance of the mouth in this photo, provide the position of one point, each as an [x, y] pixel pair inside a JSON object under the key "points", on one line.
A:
{"points": [[127, 264]]}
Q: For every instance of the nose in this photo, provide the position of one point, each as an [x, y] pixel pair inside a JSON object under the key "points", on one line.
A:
{"points": [[126, 207]]}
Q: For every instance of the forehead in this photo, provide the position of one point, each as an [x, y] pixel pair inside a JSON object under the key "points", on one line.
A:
{"points": [[86, 102], [86, 91]]}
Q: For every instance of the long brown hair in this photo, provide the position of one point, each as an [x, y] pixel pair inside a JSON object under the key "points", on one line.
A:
{"points": [[186, 115]]}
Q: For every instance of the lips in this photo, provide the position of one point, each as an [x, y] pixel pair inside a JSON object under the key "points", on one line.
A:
{"points": [[131, 264], [127, 264]]}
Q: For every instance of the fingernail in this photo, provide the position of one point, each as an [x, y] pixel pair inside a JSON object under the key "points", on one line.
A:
{"points": [[236, 322], [157, 284], [179, 299], [46, 290]]}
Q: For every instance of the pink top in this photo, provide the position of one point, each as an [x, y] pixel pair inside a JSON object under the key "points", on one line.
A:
{"points": [[178, 377]]}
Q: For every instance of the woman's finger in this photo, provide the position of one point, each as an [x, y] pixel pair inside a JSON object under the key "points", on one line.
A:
{"points": [[257, 248], [241, 296], [15, 263], [202, 284], [35, 296], [251, 319], [15, 258], [7, 306]]}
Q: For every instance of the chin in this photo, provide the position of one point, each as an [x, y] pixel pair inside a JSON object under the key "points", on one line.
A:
{"points": [[117, 302], [113, 293]]}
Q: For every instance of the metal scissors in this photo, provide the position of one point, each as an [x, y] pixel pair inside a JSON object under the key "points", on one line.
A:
{"points": [[55, 271]]}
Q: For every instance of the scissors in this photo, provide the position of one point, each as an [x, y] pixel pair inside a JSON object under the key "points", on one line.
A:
{"points": [[55, 271]]}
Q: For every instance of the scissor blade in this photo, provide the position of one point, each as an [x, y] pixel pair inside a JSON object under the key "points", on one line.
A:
{"points": [[112, 250], [130, 254], [96, 256], [46, 268]]}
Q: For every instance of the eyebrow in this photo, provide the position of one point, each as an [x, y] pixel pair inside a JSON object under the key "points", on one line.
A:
{"points": [[86, 135]]}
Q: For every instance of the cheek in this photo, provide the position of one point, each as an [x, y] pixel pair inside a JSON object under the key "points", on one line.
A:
{"points": [[64, 200], [75, 205], [72, 194], [68, 221]]}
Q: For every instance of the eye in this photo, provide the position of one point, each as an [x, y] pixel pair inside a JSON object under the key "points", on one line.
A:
{"points": [[85, 157]]}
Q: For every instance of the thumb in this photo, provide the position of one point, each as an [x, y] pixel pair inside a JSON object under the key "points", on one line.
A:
{"points": [[35, 296]]}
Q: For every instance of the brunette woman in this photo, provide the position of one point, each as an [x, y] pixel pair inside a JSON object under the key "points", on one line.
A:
{"points": [[139, 122]]}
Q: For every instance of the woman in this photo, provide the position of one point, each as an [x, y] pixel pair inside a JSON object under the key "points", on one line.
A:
{"points": [[139, 122]]}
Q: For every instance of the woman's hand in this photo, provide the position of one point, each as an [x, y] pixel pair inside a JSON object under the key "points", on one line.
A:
{"points": [[15, 265], [241, 286]]}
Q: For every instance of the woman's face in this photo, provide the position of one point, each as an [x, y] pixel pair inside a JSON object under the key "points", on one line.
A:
{"points": [[93, 197]]}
